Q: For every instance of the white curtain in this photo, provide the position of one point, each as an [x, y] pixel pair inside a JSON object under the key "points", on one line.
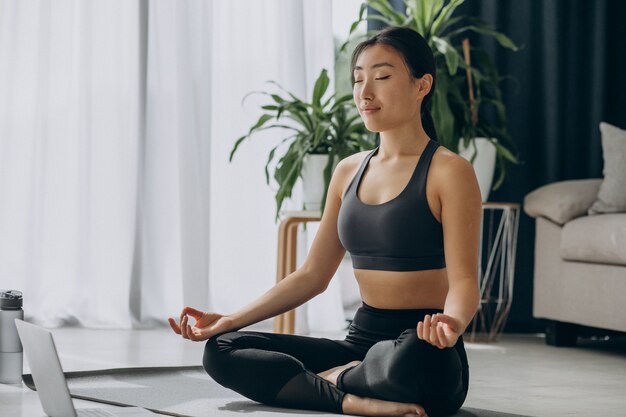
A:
{"points": [[118, 205], [69, 139]]}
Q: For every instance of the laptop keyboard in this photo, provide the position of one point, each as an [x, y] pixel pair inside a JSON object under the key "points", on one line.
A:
{"points": [[94, 412]]}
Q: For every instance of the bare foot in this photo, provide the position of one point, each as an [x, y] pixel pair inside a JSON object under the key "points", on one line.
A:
{"points": [[331, 374], [362, 406]]}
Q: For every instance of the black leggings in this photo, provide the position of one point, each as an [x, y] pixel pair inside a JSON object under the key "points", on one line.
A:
{"points": [[281, 370]]}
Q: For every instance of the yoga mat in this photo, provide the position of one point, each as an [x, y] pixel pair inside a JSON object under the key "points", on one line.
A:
{"points": [[183, 391]]}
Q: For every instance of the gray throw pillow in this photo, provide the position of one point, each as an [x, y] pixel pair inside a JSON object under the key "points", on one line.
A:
{"points": [[612, 194]]}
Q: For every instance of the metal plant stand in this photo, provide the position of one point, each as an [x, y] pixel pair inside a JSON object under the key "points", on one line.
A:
{"points": [[498, 245]]}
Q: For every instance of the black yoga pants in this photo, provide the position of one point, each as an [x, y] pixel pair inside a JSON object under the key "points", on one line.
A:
{"points": [[281, 370]]}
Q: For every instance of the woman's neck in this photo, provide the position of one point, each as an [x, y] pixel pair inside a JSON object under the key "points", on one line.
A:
{"points": [[397, 143]]}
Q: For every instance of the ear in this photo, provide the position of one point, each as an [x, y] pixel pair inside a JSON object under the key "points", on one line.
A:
{"points": [[425, 83]]}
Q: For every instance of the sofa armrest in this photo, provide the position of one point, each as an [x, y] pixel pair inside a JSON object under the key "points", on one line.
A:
{"points": [[562, 201]]}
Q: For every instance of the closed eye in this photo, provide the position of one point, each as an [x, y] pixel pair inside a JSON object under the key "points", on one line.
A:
{"points": [[382, 78]]}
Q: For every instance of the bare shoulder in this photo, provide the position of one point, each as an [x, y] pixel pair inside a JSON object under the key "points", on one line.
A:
{"points": [[450, 172], [355, 158], [347, 168]]}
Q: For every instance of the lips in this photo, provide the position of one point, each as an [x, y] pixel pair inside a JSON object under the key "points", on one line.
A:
{"points": [[370, 109]]}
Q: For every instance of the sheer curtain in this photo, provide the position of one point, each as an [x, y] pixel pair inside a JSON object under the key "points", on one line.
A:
{"points": [[119, 205], [70, 118]]}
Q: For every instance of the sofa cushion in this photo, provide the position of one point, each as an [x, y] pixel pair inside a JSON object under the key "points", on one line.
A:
{"points": [[612, 194], [562, 201], [599, 239]]}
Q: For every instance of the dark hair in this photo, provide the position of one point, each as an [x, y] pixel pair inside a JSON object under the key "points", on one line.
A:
{"points": [[417, 55]]}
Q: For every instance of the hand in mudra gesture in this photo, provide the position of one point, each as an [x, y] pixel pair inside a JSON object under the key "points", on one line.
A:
{"points": [[206, 325], [440, 330]]}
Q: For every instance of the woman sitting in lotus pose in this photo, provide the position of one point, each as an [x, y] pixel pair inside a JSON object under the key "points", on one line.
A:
{"points": [[409, 214]]}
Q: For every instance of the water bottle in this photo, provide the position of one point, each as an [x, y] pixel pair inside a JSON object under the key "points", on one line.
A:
{"points": [[10, 346]]}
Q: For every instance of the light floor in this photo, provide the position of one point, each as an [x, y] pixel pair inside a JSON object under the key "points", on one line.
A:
{"points": [[518, 374]]}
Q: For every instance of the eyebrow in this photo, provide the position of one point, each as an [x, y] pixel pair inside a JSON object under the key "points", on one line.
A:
{"points": [[380, 64]]}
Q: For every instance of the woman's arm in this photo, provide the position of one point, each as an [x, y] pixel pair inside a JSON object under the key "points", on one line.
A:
{"points": [[461, 211], [292, 291]]}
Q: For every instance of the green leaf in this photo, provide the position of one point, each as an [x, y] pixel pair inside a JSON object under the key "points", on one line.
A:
{"points": [[286, 174], [321, 85], [423, 14], [378, 18], [449, 52], [262, 120], [450, 22], [418, 17], [445, 121], [427, 13], [238, 142], [277, 98], [444, 15], [505, 153], [303, 119], [271, 157], [387, 10], [501, 38]]}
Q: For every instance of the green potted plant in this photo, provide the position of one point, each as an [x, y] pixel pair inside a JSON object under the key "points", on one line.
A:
{"points": [[327, 129], [458, 115]]}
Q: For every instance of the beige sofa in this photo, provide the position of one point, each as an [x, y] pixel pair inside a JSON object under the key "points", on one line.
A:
{"points": [[580, 261]]}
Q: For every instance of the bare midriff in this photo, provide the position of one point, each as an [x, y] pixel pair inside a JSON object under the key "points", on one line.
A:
{"points": [[403, 289], [399, 289]]}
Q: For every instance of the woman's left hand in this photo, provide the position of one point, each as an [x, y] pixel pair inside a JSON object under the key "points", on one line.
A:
{"points": [[439, 330]]}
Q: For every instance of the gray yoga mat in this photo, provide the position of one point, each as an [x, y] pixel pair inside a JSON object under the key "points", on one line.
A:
{"points": [[183, 391]]}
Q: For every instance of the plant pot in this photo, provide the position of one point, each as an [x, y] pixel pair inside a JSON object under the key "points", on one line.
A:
{"points": [[484, 163], [313, 180]]}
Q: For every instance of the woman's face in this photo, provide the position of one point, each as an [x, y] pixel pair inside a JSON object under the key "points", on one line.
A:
{"points": [[382, 83]]}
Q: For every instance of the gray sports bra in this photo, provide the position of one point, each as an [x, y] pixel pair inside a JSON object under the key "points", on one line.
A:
{"points": [[399, 235]]}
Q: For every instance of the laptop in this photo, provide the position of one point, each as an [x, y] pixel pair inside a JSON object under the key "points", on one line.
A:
{"points": [[49, 379]]}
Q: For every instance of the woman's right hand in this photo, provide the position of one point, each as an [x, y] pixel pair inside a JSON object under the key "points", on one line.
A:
{"points": [[206, 325]]}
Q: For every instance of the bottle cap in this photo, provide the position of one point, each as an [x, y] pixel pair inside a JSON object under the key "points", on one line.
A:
{"points": [[10, 300]]}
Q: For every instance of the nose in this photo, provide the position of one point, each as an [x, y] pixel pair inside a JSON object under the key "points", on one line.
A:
{"points": [[364, 91]]}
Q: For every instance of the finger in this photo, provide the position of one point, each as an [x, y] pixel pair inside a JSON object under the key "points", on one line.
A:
{"points": [[190, 333], [442, 335], [432, 334], [449, 321], [174, 325], [420, 411], [183, 327], [196, 334], [434, 337], [196, 314], [427, 327], [433, 329], [442, 340], [420, 330]]}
